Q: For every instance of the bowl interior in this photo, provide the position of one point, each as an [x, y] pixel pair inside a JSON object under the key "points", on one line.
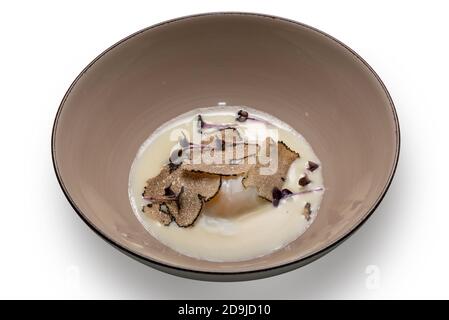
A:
{"points": [[301, 76]]}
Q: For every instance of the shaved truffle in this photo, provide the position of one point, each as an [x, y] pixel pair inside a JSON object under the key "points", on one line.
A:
{"points": [[265, 183], [190, 205], [228, 156], [181, 194], [236, 153], [204, 184], [194, 189]]}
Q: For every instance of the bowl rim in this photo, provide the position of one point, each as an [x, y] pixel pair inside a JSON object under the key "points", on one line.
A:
{"points": [[298, 262]]}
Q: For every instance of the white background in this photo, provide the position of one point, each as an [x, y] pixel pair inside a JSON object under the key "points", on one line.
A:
{"points": [[46, 251]]}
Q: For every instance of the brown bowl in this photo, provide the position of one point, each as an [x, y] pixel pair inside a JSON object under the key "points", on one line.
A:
{"points": [[297, 73]]}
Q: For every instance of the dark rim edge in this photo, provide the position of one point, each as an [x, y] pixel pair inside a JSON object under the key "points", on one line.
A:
{"points": [[304, 259]]}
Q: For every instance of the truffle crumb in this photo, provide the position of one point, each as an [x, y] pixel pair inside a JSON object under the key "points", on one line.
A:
{"points": [[154, 212], [307, 212]]}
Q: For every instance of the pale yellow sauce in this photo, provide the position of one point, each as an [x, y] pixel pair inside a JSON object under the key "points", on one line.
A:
{"points": [[237, 224]]}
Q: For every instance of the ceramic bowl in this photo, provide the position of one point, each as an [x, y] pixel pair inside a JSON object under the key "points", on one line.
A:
{"points": [[297, 73]]}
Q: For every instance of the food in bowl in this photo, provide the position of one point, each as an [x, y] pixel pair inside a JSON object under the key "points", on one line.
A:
{"points": [[226, 183]]}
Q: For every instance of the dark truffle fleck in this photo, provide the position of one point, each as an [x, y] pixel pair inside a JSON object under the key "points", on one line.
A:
{"points": [[312, 166], [304, 180], [265, 183], [242, 116], [277, 196], [180, 195], [307, 211]]}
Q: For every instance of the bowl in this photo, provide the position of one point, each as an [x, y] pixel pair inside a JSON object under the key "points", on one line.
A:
{"points": [[299, 74]]}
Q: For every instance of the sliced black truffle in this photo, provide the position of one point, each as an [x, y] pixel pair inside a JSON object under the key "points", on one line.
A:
{"points": [[189, 209], [203, 184], [229, 157], [180, 194], [265, 183], [194, 189]]}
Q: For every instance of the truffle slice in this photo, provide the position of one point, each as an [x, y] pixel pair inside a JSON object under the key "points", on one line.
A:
{"points": [[203, 184], [227, 157], [189, 210], [155, 187], [154, 212], [194, 189], [180, 194], [265, 183]]}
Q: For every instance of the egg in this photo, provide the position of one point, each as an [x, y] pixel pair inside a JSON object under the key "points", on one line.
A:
{"points": [[233, 199]]}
